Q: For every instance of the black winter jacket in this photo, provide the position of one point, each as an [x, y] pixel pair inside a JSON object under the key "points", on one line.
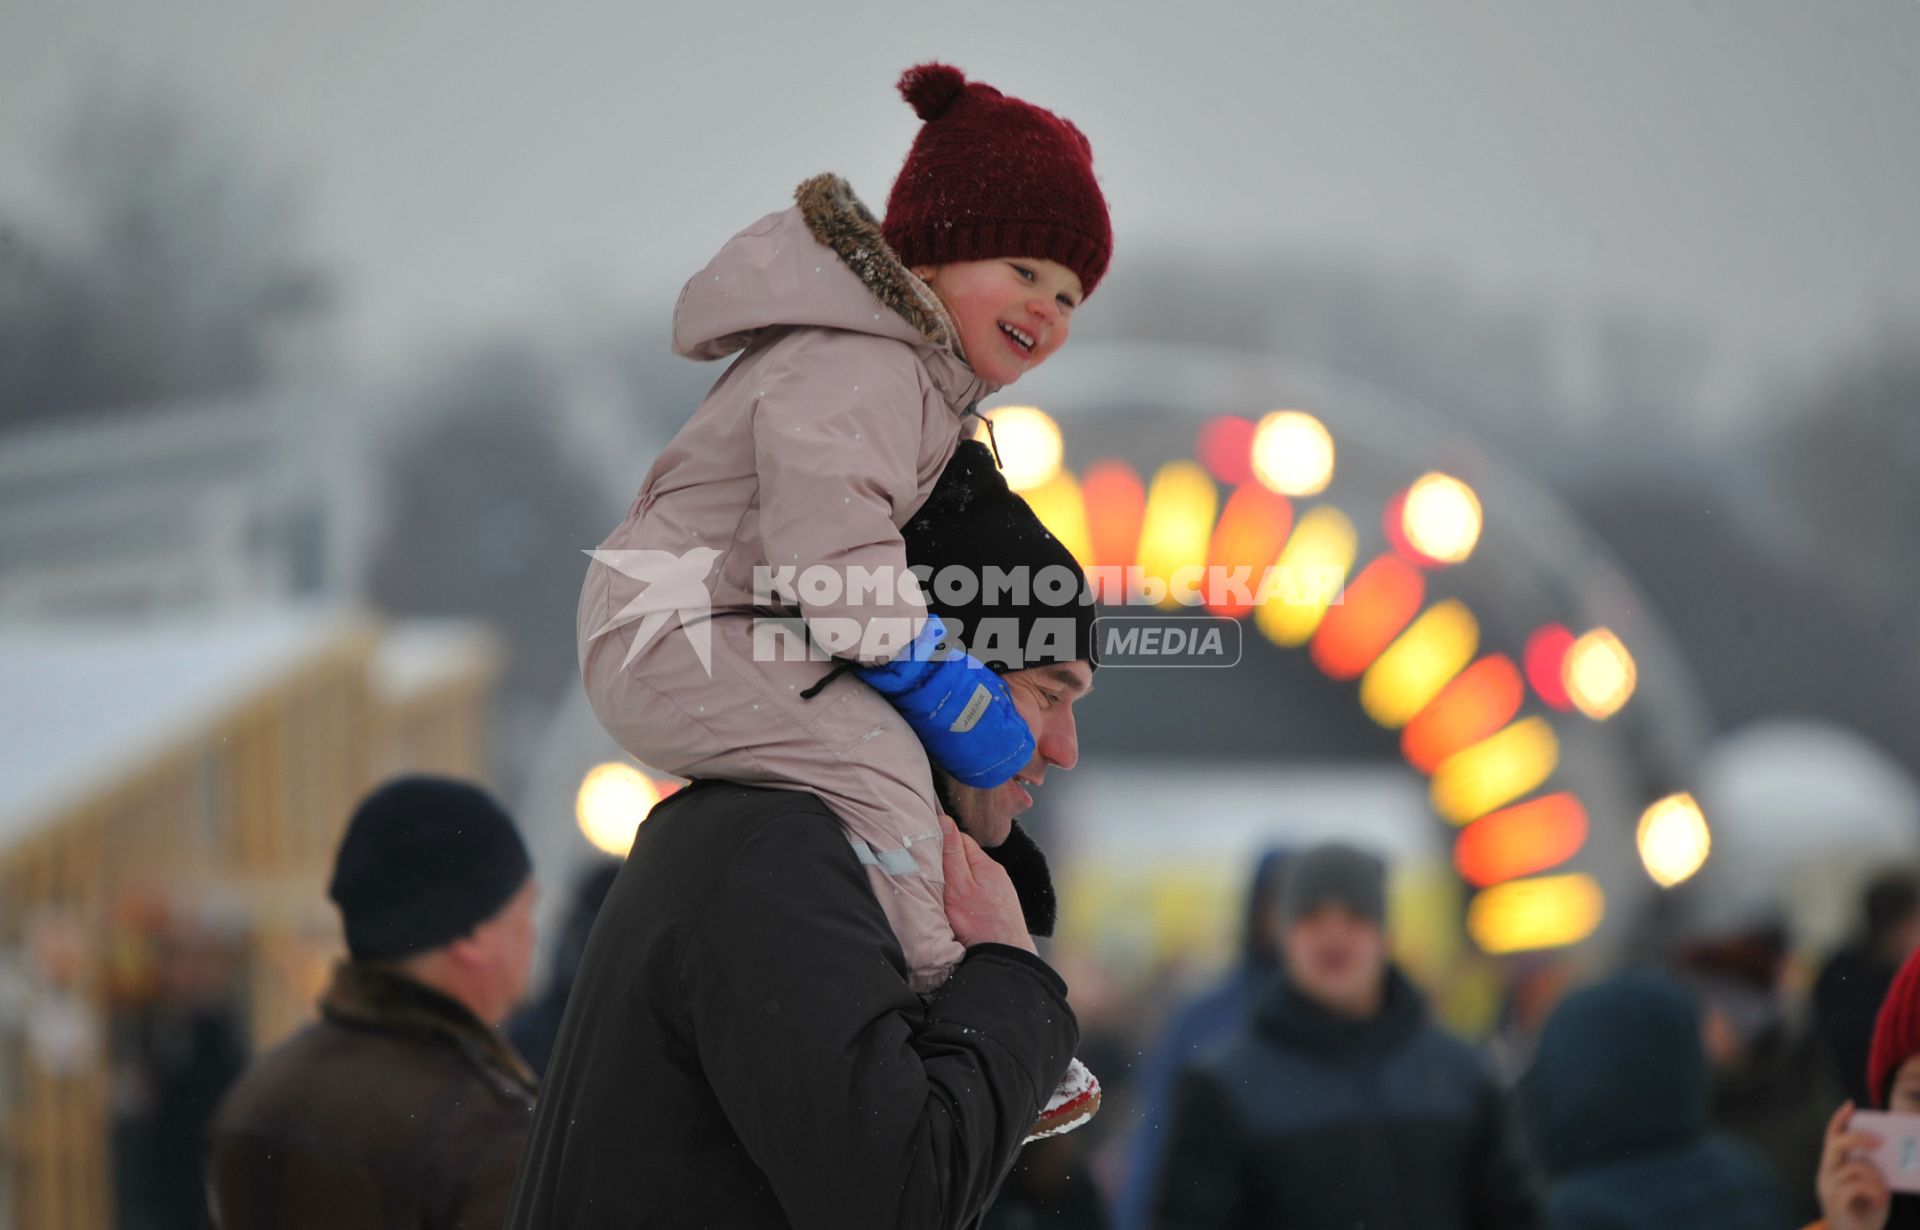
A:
{"points": [[741, 1047], [1316, 1122]]}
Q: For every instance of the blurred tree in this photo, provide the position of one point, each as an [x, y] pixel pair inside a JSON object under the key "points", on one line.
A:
{"points": [[1849, 463], [485, 515], [1649, 373], [41, 327], [172, 273], [1417, 335]]}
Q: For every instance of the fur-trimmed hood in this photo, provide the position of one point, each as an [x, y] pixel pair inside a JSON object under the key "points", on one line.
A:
{"points": [[822, 263], [368, 997]]}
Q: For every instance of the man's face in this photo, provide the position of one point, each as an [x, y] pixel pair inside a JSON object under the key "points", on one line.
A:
{"points": [[1044, 696], [1337, 958], [504, 950]]}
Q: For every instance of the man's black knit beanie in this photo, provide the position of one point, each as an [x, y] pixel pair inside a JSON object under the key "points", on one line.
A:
{"points": [[1015, 593], [425, 860]]}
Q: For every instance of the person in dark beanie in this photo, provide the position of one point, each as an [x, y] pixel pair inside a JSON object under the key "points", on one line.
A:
{"points": [[1342, 1104], [402, 1107], [1618, 1101], [744, 1045]]}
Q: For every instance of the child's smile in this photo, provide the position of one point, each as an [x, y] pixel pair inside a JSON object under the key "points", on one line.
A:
{"points": [[1012, 312]]}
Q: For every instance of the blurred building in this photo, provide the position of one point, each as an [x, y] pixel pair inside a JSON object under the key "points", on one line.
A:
{"points": [[171, 792]]}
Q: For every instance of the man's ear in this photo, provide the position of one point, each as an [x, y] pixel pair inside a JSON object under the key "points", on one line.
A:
{"points": [[468, 951], [1026, 866]]}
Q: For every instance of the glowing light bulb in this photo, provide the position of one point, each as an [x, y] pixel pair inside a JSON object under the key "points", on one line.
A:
{"points": [[1599, 674], [1544, 912], [1030, 445], [1442, 518], [1673, 839], [613, 799], [1293, 453]]}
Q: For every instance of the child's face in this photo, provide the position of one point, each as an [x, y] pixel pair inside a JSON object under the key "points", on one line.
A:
{"points": [[1905, 1094], [993, 300]]}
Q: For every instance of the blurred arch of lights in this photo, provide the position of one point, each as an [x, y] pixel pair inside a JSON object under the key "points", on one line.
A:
{"points": [[612, 801], [1225, 447], [1495, 771], [1293, 453], [1544, 912], [1253, 528], [1430, 654], [1393, 527], [1028, 443], [1310, 573], [1477, 702], [1116, 503], [1441, 518], [1545, 656], [1599, 674], [1521, 840], [1178, 523], [1373, 609], [1460, 717], [1673, 839]]}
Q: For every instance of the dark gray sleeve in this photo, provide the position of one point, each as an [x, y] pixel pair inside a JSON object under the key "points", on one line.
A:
{"points": [[863, 1104]]}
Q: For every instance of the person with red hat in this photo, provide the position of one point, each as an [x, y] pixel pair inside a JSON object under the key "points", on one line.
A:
{"points": [[766, 538], [1854, 1195], [859, 349]]}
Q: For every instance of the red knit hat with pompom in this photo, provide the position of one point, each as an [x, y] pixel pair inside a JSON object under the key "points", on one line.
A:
{"points": [[993, 176], [1896, 1034]]}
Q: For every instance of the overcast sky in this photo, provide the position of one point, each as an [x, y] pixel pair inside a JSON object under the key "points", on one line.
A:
{"points": [[1749, 165]]}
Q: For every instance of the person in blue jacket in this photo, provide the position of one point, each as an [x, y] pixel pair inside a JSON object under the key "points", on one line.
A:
{"points": [[1342, 1104], [1618, 1099]]}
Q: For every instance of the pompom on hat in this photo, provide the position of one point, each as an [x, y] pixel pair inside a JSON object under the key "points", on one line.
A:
{"points": [[991, 176]]}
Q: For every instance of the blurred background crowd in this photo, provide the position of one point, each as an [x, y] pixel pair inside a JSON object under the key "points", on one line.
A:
{"points": [[1582, 344]]}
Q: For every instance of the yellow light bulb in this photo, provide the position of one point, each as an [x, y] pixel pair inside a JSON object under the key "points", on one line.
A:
{"points": [[1312, 568], [1293, 453], [1029, 444], [1543, 912], [1599, 674], [613, 799], [1425, 658], [1673, 839], [1442, 518]]}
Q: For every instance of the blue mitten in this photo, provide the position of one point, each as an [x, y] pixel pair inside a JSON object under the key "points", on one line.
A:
{"points": [[961, 710]]}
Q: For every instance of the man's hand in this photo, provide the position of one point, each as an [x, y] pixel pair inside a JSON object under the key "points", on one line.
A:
{"points": [[981, 903]]}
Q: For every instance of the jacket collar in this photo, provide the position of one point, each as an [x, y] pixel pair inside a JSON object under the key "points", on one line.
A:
{"points": [[372, 997], [1284, 1012], [841, 222]]}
